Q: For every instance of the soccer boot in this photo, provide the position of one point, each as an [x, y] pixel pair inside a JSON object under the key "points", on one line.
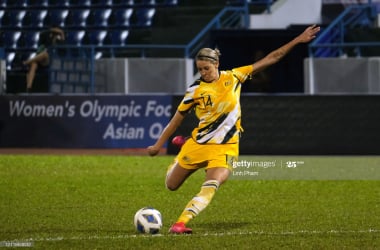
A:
{"points": [[180, 228]]}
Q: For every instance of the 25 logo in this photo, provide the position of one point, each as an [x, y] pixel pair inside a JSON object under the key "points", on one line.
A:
{"points": [[291, 164]]}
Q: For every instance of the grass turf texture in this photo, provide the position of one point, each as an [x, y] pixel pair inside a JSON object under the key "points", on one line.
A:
{"points": [[88, 202]]}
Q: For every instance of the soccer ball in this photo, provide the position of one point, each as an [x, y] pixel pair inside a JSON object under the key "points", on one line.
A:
{"points": [[148, 220]]}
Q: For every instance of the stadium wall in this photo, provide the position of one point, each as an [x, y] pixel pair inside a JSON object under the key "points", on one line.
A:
{"points": [[342, 75], [273, 124]]}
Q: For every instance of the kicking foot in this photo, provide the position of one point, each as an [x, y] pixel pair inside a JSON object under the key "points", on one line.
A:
{"points": [[180, 228]]}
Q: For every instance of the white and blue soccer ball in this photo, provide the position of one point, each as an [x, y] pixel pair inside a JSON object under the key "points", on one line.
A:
{"points": [[148, 220]]}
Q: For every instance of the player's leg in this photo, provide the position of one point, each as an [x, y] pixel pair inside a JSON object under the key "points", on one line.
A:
{"points": [[41, 58], [217, 160], [31, 75], [214, 178], [176, 175]]}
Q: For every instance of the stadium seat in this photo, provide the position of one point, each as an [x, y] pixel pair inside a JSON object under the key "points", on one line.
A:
{"points": [[13, 18], [1, 17], [59, 3], [9, 59], [76, 3], [17, 3], [97, 37], [145, 2], [102, 2], [75, 37], [171, 2], [123, 2], [9, 39], [99, 17], [38, 3], [35, 18], [29, 39], [121, 17], [57, 17], [145, 16], [117, 37], [77, 17], [28, 55], [3, 3]]}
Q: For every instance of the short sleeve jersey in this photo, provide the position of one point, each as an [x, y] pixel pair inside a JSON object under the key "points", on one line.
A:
{"points": [[217, 106]]}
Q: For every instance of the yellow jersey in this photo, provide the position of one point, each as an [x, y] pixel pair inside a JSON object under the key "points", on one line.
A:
{"points": [[217, 106]]}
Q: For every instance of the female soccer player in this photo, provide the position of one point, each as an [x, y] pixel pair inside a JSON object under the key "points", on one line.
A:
{"points": [[214, 143]]}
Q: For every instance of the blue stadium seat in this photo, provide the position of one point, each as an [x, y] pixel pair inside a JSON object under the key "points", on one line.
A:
{"points": [[77, 17], [9, 59], [17, 3], [119, 2], [28, 55], [171, 2], [146, 2], [1, 17], [145, 16], [117, 37], [13, 18], [29, 39], [57, 17], [75, 37], [99, 17], [9, 39], [121, 17], [76, 3], [59, 2], [14, 61], [102, 2], [38, 3], [35, 18], [97, 37]]}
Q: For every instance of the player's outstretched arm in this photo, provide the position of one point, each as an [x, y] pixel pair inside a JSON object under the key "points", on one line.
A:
{"points": [[276, 55], [168, 131]]}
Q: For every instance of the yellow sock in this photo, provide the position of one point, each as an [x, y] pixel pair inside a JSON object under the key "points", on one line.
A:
{"points": [[200, 201]]}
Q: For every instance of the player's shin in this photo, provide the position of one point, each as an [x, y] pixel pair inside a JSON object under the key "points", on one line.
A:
{"points": [[200, 201]]}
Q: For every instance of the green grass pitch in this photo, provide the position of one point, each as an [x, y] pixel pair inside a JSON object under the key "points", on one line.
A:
{"points": [[88, 202]]}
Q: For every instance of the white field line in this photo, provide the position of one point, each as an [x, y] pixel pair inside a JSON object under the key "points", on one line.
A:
{"points": [[220, 234]]}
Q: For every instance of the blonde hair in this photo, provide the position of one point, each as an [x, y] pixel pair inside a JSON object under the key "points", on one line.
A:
{"points": [[208, 55]]}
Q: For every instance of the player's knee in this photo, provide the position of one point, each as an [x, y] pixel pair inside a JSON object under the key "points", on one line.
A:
{"points": [[170, 186]]}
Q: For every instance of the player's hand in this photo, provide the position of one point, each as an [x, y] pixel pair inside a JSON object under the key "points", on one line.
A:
{"points": [[152, 150], [309, 34]]}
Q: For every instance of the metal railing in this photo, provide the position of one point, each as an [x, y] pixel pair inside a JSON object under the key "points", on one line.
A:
{"points": [[229, 17], [331, 41]]}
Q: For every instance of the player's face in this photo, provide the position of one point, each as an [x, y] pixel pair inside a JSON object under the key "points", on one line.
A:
{"points": [[208, 70]]}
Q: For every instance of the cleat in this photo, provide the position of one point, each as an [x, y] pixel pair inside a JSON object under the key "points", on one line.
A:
{"points": [[180, 228]]}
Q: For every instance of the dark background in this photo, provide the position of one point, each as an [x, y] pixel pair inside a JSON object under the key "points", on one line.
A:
{"points": [[304, 125]]}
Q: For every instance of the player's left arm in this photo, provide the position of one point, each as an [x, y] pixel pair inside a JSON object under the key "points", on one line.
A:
{"points": [[276, 55], [170, 128]]}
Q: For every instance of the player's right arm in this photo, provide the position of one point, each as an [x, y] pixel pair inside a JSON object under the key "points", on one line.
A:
{"points": [[170, 128], [276, 55]]}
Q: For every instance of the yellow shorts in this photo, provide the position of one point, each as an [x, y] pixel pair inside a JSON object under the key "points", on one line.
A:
{"points": [[195, 156]]}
